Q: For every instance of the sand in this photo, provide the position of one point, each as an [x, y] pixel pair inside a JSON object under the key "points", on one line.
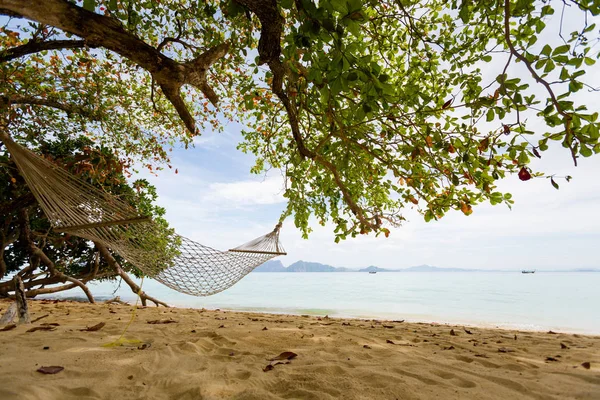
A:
{"points": [[220, 354]]}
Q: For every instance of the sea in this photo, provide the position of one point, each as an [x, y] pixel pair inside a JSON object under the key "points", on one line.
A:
{"points": [[557, 301]]}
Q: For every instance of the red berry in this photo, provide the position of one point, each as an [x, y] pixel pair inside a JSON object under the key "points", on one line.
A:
{"points": [[524, 174]]}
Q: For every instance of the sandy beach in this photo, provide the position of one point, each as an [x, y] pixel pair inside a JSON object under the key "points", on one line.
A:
{"points": [[212, 354]]}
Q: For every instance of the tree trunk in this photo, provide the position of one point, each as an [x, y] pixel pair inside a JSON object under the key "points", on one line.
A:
{"points": [[21, 300]]}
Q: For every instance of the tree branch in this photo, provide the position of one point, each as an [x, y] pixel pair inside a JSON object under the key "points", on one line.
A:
{"points": [[37, 46], [105, 31], [567, 117], [134, 287], [49, 102]]}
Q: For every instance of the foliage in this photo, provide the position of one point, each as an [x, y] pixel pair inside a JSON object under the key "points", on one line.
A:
{"points": [[71, 255], [368, 106]]}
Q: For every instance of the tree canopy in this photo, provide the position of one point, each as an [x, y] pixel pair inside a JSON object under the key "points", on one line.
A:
{"points": [[367, 106]]}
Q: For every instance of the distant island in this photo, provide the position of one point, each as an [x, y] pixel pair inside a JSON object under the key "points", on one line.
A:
{"points": [[306, 266]]}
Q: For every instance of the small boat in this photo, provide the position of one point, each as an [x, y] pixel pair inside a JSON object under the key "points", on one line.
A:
{"points": [[531, 271], [372, 272]]}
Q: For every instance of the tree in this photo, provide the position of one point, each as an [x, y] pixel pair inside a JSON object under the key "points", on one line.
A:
{"points": [[43, 257], [368, 106]]}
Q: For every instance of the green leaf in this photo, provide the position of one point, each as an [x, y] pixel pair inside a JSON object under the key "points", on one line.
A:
{"points": [[287, 4], [561, 50], [554, 183], [546, 50], [89, 5], [490, 115]]}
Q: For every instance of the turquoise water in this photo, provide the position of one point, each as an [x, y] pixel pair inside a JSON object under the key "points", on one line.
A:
{"points": [[540, 301]]}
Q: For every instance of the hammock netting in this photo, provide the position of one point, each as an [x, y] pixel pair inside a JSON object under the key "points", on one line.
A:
{"points": [[73, 205]]}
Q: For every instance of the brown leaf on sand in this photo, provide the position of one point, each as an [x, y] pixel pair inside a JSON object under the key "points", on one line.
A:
{"points": [[8, 328], [50, 324], [468, 331], [94, 328], [268, 368], [552, 333], [286, 355], [505, 350], [265, 329], [388, 326], [449, 348], [144, 346], [551, 359], [54, 369], [452, 333], [389, 341], [563, 346], [345, 323], [366, 346], [398, 321], [481, 355], [41, 328], [162, 321], [586, 365]]}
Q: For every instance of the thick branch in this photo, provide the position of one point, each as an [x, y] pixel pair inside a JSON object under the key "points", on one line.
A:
{"points": [[269, 50], [104, 31], [37, 46], [37, 252], [49, 102], [134, 287]]}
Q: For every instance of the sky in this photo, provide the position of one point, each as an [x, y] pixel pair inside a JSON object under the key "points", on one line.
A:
{"points": [[216, 201]]}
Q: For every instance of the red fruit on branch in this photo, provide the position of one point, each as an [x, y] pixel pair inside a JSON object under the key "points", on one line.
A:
{"points": [[524, 174]]}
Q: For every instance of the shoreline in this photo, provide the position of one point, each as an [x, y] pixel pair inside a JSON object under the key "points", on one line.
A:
{"points": [[416, 320], [187, 353]]}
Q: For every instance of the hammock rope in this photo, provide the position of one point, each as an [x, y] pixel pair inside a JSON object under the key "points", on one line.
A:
{"points": [[73, 205]]}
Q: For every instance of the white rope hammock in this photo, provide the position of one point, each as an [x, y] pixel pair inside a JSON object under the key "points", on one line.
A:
{"points": [[74, 206]]}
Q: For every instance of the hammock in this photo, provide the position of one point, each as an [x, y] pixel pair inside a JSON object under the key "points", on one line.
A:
{"points": [[74, 206]]}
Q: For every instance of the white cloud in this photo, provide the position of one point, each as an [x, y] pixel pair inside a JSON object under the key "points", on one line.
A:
{"points": [[246, 193]]}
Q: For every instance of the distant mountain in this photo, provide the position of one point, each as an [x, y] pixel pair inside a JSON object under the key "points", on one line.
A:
{"points": [[305, 266], [271, 266], [373, 268], [429, 268]]}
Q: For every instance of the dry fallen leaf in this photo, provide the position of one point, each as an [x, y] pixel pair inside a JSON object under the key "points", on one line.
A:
{"points": [[563, 346], [389, 341], [50, 370], [505, 350], [586, 365], [286, 355], [268, 368], [366, 346], [162, 321], [94, 328], [388, 326], [452, 333], [144, 346]]}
